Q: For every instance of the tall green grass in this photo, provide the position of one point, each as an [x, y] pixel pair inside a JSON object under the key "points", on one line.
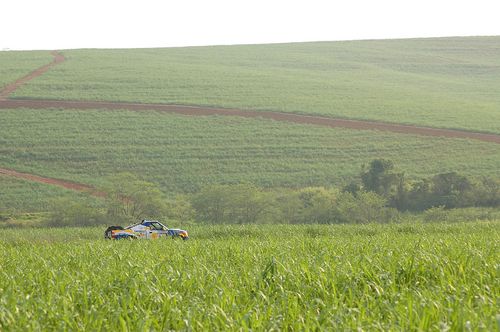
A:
{"points": [[440, 82], [369, 277]]}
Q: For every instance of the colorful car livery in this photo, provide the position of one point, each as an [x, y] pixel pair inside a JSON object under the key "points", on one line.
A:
{"points": [[146, 229]]}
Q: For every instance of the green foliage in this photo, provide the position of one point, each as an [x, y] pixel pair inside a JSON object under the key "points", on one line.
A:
{"points": [[440, 82], [315, 205], [239, 204], [381, 178], [448, 190], [179, 208], [310, 205], [66, 212], [451, 190], [129, 199], [398, 277], [487, 191], [364, 207]]}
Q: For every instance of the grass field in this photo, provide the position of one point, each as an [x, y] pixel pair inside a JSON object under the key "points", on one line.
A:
{"points": [[441, 82], [416, 275], [18, 195], [16, 64], [184, 153], [370, 277]]}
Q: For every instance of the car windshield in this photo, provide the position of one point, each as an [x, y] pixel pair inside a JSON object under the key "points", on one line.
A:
{"points": [[156, 226]]}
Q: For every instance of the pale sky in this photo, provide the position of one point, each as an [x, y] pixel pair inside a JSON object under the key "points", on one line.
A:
{"points": [[62, 24]]}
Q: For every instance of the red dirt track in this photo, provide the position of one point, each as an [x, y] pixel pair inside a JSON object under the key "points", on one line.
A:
{"points": [[277, 116], [6, 103], [203, 111], [58, 58], [57, 182]]}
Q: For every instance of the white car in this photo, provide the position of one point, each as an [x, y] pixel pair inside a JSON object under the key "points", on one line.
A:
{"points": [[146, 229]]}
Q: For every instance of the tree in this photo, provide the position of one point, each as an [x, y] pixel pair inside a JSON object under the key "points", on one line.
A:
{"points": [[65, 212], [420, 196], [131, 199], [242, 203], [487, 192], [352, 187], [363, 207], [316, 205], [451, 190], [287, 206], [380, 178], [211, 203], [179, 208]]}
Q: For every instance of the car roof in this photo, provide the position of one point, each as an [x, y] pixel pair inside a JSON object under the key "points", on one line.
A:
{"points": [[145, 223]]}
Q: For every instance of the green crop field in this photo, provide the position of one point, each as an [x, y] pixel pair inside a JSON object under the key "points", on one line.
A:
{"points": [[16, 64], [183, 153], [425, 272], [17, 195], [440, 82], [367, 277]]}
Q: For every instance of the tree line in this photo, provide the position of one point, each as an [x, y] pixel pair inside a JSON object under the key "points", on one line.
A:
{"points": [[381, 193], [448, 190]]}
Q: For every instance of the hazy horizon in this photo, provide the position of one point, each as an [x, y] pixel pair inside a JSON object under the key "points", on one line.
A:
{"points": [[58, 24], [270, 43]]}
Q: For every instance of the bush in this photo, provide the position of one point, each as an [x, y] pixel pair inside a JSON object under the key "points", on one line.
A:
{"points": [[66, 212], [363, 207], [179, 208], [311, 205], [240, 204], [448, 190], [129, 199]]}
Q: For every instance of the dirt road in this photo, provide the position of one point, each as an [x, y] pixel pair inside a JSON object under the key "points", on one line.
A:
{"points": [[60, 183], [9, 89], [203, 111], [6, 103], [277, 116]]}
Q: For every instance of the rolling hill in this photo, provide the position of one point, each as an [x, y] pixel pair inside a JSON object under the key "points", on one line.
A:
{"points": [[440, 83]]}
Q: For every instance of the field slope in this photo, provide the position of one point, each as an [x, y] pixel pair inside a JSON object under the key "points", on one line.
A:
{"points": [[441, 82], [444, 82], [20, 196], [183, 153], [377, 277], [16, 64]]}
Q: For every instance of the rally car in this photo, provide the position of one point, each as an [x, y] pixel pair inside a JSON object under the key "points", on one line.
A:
{"points": [[146, 229]]}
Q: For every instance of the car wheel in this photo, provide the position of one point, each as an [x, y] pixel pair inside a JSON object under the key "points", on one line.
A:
{"points": [[107, 232]]}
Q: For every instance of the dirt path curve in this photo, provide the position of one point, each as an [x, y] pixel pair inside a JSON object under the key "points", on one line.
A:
{"points": [[278, 116], [6, 103], [57, 182], [201, 111], [9, 89]]}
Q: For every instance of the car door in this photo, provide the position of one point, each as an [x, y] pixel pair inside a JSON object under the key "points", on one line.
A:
{"points": [[156, 230]]}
